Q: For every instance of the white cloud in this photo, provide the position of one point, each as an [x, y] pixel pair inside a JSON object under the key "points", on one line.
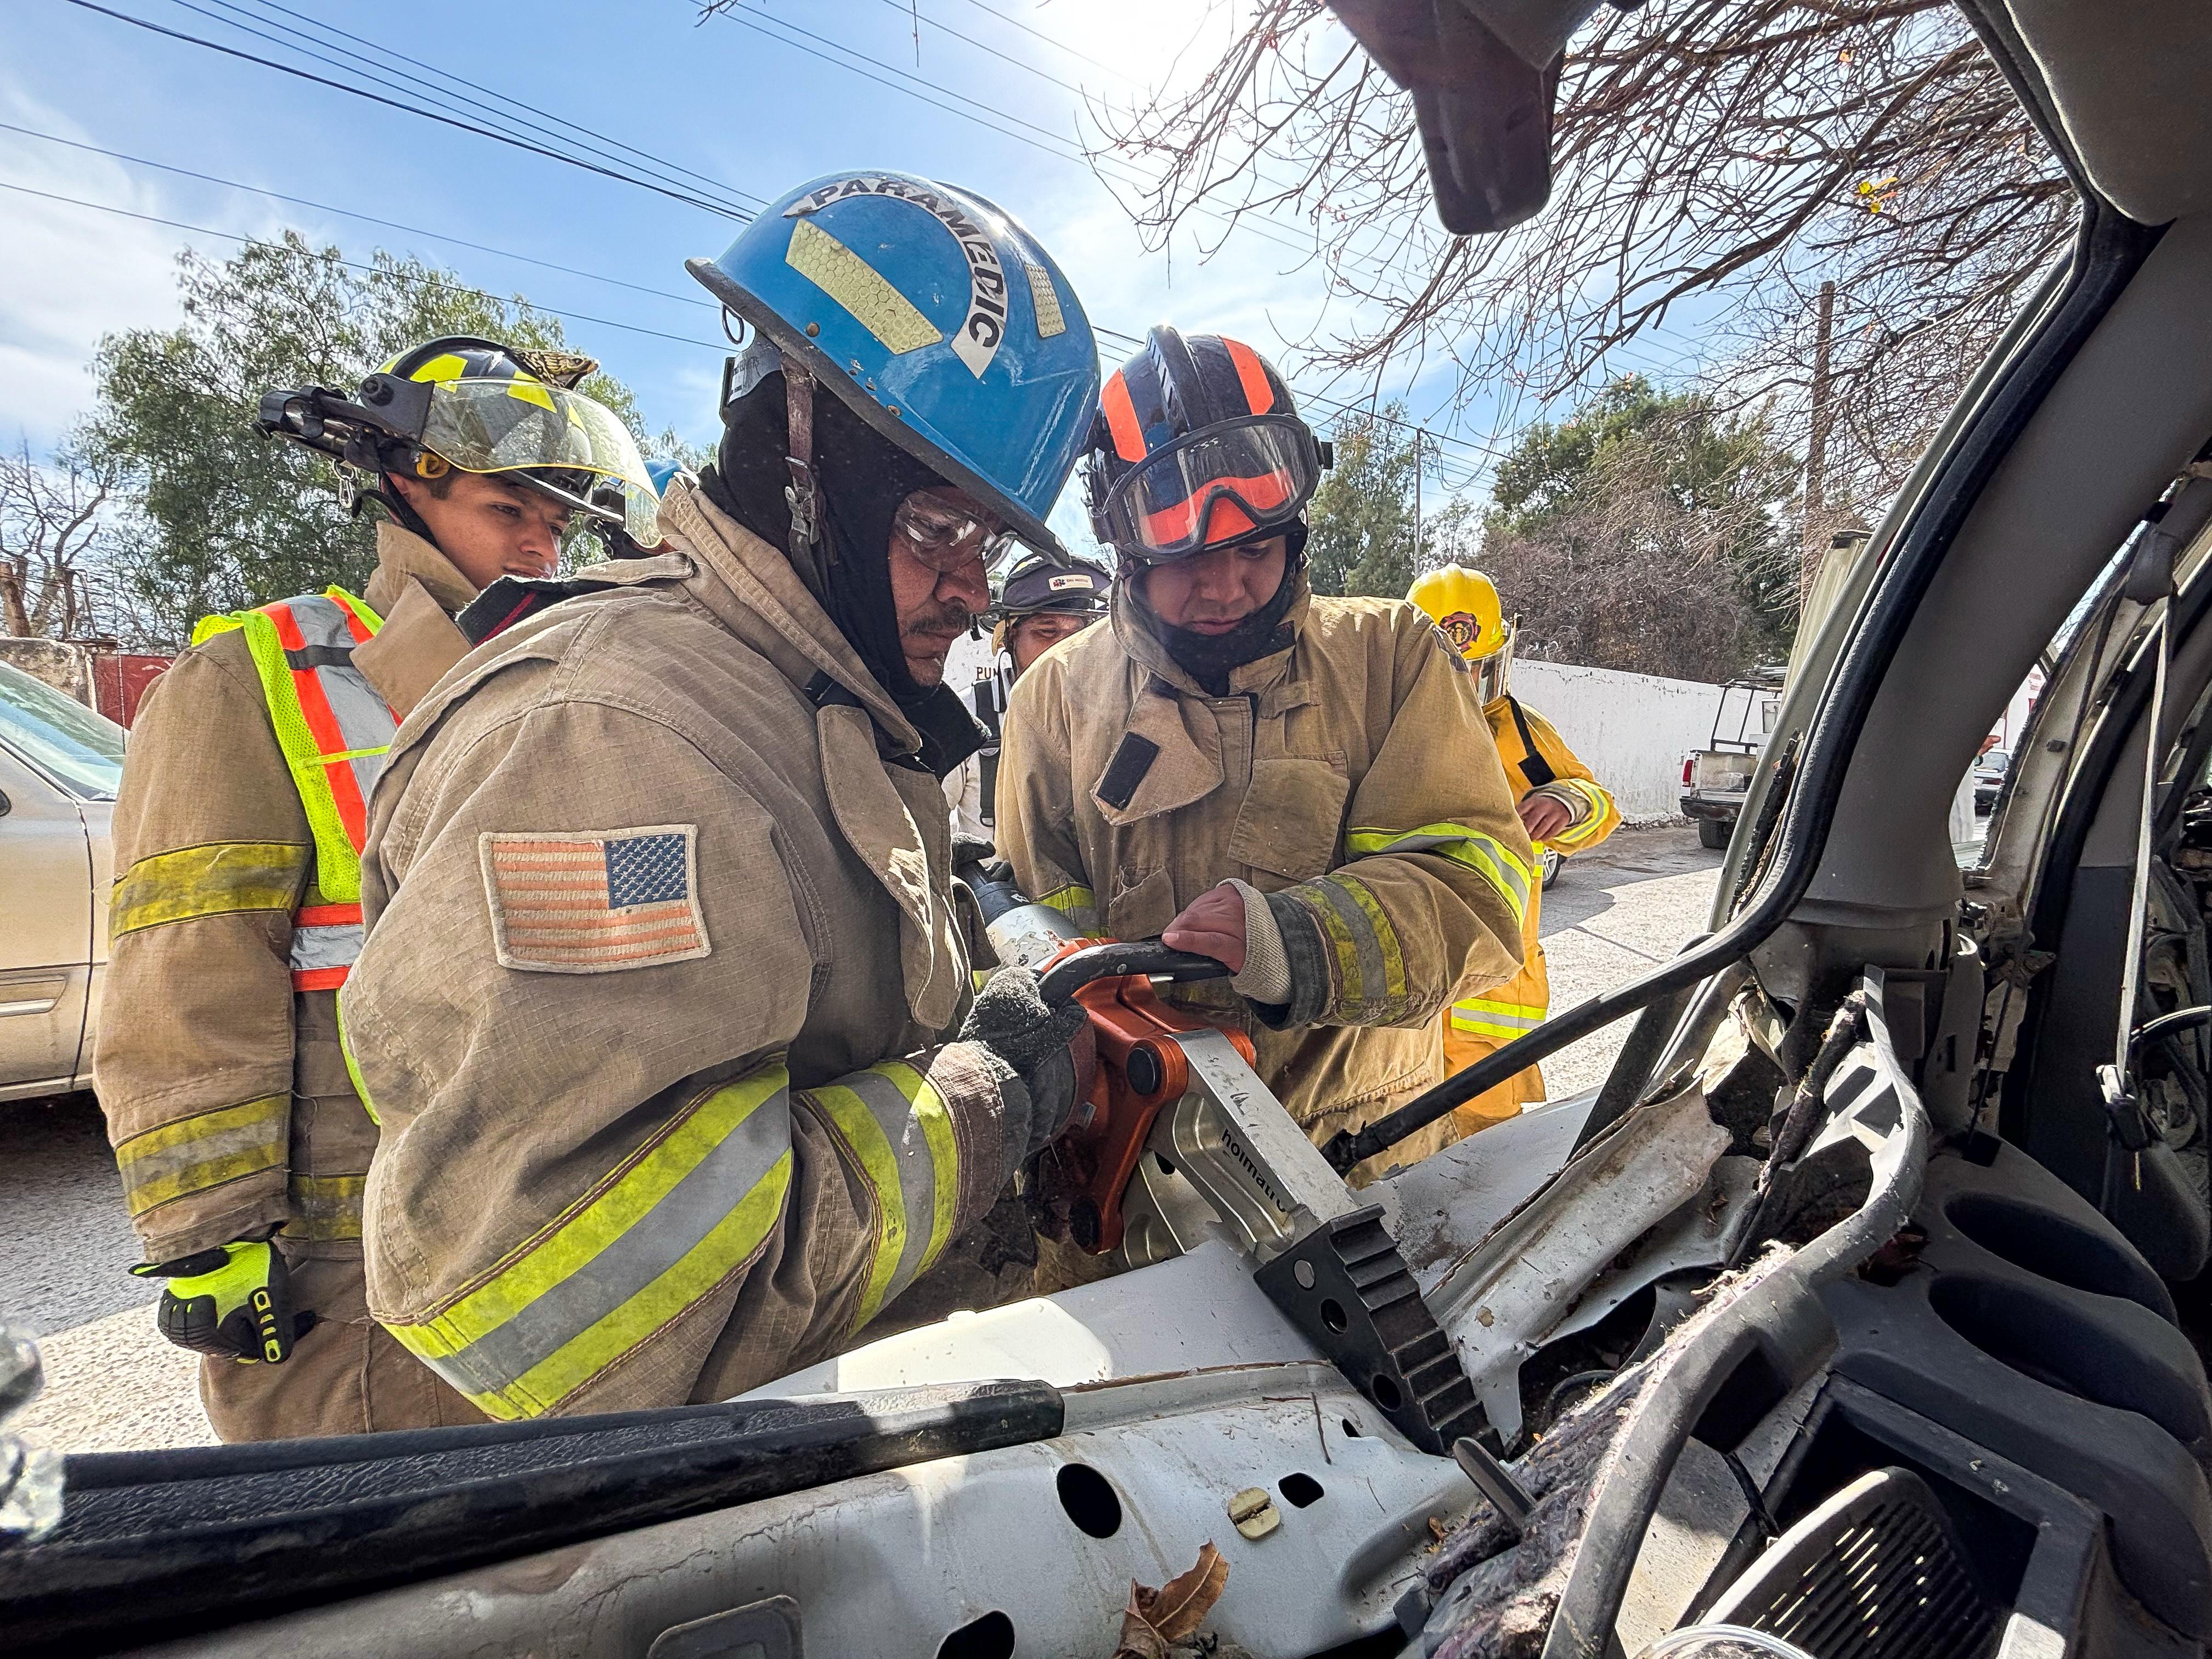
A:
{"points": [[72, 274]]}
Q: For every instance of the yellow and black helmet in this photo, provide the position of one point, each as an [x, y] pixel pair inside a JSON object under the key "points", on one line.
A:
{"points": [[516, 411], [467, 404]]}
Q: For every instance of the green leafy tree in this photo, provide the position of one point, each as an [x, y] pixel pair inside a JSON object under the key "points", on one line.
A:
{"points": [[222, 518], [1360, 522], [1649, 532]]}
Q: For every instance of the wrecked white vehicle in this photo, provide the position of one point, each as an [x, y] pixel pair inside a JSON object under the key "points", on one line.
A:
{"points": [[1859, 1310]]}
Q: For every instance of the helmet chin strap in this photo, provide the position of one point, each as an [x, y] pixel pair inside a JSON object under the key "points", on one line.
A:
{"points": [[386, 495], [800, 494]]}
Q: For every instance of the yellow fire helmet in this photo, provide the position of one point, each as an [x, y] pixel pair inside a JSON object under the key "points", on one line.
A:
{"points": [[1464, 604]]}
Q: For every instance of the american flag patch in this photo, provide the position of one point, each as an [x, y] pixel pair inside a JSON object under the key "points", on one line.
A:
{"points": [[592, 904]]}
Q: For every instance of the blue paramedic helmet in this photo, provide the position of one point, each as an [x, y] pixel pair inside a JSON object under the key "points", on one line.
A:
{"points": [[937, 319], [660, 473]]}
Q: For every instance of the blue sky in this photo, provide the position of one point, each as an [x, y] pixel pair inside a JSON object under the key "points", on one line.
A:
{"points": [[754, 112]]}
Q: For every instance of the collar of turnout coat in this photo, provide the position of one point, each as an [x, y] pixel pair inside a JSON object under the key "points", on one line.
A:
{"points": [[749, 585], [1142, 646], [400, 554]]}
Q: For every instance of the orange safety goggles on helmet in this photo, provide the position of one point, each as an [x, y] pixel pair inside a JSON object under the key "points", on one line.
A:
{"points": [[1197, 445]]}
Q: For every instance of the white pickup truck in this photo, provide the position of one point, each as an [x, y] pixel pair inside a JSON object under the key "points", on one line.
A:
{"points": [[1716, 778]]}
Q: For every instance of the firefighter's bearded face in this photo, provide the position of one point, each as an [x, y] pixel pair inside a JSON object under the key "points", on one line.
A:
{"points": [[486, 527], [1211, 593], [938, 538]]}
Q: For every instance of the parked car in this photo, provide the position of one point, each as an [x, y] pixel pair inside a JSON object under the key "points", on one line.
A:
{"points": [[59, 765], [1715, 779], [1988, 778]]}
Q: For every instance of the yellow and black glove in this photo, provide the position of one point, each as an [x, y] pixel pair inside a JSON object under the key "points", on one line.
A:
{"points": [[232, 1301]]}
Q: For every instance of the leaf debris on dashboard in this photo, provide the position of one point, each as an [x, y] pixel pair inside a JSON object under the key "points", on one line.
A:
{"points": [[1157, 1622]]}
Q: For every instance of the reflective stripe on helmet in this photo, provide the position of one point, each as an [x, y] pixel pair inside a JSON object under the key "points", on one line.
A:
{"points": [[1122, 418], [1251, 374]]}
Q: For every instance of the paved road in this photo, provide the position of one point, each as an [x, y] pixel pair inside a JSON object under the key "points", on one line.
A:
{"points": [[112, 1385], [1614, 912]]}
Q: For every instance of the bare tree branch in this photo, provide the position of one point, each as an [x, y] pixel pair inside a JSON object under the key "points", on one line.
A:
{"points": [[1719, 158], [52, 541]]}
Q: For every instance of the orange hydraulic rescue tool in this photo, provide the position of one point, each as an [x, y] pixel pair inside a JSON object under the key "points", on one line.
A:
{"points": [[1168, 1082], [1138, 1073], [1140, 1068]]}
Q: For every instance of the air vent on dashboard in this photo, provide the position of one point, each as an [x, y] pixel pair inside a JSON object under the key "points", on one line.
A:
{"points": [[1876, 1572]]}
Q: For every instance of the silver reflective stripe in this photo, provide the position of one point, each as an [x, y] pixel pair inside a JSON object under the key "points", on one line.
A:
{"points": [[631, 1263], [364, 718], [336, 944], [902, 1131], [1474, 1016], [1374, 987]]}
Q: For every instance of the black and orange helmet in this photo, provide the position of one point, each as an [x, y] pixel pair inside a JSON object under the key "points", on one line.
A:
{"points": [[1198, 444]]}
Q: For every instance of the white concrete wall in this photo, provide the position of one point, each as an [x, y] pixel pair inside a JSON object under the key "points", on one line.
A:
{"points": [[1630, 729]]}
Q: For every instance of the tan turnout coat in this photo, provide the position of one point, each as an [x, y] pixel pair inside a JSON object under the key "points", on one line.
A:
{"points": [[1355, 767], [226, 1094], [640, 1159]]}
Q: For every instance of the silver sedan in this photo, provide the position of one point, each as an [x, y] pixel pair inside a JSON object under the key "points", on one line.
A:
{"points": [[59, 766]]}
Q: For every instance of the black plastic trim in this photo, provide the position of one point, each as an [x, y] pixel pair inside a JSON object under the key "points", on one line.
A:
{"points": [[1771, 1339], [159, 1544]]}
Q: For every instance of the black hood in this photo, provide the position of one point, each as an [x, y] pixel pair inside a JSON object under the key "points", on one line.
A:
{"points": [[862, 479], [1210, 659]]}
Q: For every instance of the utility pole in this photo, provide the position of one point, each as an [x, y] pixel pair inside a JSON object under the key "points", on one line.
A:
{"points": [[1816, 448], [1419, 431]]}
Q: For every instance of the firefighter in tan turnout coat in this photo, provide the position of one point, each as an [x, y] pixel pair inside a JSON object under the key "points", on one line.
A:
{"points": [[662, 948], [1255, 773], [241, 1143]]}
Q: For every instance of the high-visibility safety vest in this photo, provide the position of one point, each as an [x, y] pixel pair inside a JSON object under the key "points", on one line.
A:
{"points": [[334, 730]]}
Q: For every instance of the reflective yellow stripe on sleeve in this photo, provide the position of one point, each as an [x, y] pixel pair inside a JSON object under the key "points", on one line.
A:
{"points": [[1598, 812], [1504, 1021], [894, 1125], [216, 878], [686, 1210], [208, 1150], [1367, 967], [353, 1065], [1483, 854], [1077, 902]]}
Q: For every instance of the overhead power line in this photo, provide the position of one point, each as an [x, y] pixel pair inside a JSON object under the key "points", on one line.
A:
{"points": [[1055, 42], [354, 265], [620, 175], [529, 112], [1131, 340], [1481, 452], [365, 218], [1259, 224], [518, 142], [1467, 480], [906, 7]]}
